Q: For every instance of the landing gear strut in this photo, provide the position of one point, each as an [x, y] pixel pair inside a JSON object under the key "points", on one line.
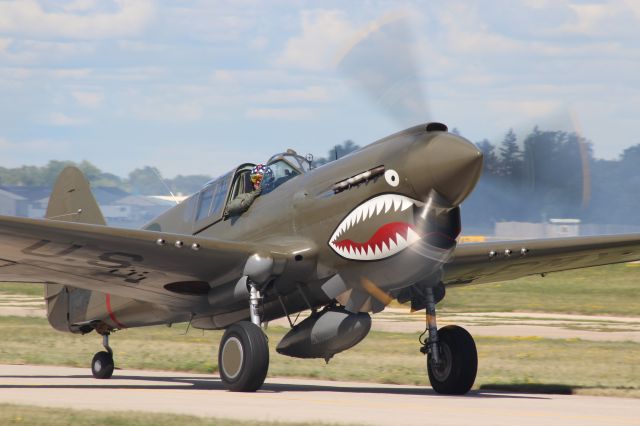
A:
{"points": [[243, 356], [452, 358], [102, 364]]}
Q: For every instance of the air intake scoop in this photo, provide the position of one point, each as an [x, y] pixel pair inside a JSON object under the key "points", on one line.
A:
{"points": [[437, 127]]}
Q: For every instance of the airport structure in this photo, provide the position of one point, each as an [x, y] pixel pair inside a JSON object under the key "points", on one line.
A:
{"points": [[120, 208]]}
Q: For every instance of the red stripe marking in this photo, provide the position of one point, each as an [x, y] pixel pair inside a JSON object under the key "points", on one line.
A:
{"points": [[111, 314]]}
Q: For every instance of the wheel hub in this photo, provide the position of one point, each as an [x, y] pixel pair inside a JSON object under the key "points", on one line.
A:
{"points": [[442, 369], [232, 357]]}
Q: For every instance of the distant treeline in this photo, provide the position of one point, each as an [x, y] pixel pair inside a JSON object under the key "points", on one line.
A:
{"points": [[144, 181], [552, 174], [545, 174]]}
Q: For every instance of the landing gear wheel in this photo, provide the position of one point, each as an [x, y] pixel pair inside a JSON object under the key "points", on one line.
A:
{"points": [[456, 371], [102, 365], [243, 357]]}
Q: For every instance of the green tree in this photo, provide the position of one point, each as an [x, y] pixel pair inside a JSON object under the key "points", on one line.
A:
{"points": [[187, 184], [147, 181], [491, 162], [338, 151], [510, 156], [51, 171]]}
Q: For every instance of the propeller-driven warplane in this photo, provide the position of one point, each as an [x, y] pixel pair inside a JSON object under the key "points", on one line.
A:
{"points": [[341, 240]]}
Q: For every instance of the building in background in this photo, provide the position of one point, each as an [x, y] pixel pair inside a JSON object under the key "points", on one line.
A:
{"points": [[118, 207], [12, 204], [554, 228], [31, 195]]}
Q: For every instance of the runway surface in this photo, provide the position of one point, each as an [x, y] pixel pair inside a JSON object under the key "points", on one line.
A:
{"points": [[302, 400]]}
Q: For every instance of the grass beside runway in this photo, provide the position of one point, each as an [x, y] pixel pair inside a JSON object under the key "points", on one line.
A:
{"points": [[24, 289], [530, 364], [527, 363], [605, 290], [29, 415]]}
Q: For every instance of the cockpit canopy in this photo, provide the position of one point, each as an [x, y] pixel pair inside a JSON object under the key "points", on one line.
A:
{"points": [[213, 198], [285, 166], [297, 161]]}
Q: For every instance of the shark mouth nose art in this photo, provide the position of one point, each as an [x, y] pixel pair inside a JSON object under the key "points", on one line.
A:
{"points": [[377, 229]]}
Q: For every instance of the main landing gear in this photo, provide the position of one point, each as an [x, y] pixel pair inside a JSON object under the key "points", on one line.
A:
{"points": [[452, 358], [243, 356], [102, 364]]}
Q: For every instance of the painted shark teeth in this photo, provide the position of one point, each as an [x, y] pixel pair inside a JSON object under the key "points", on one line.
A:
{"points": [[380, 205]]}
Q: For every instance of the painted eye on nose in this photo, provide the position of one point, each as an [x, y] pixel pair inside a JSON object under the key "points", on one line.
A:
{"points": [[392, 178]]}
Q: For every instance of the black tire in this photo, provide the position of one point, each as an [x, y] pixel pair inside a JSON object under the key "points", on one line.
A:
{"points": [[243, 357], [459, 362], [102, 365]]}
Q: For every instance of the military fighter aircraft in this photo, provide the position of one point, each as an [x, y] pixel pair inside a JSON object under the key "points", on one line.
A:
{"points": [[341, 240]]}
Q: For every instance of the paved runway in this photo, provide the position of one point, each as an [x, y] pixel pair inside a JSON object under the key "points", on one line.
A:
{"points": [[303, 400]]}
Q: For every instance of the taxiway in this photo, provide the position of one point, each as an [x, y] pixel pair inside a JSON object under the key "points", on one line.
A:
{"points": [[302, 400]]}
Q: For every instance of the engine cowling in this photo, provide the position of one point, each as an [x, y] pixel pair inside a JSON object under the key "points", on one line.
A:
{"points": [[325, 334]]}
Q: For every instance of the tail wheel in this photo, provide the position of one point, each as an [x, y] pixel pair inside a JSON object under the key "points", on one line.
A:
{"points": [[243, 357], [102, 365], [456, 371]]}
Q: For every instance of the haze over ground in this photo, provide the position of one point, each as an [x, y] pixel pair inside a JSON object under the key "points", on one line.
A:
{"points": [[195, 87]]}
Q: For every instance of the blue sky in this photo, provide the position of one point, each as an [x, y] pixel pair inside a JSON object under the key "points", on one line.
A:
{"points": [[199, 86]]}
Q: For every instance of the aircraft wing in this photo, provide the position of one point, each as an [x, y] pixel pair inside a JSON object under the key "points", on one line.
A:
{"points": [[476, 263], [130, 263]]}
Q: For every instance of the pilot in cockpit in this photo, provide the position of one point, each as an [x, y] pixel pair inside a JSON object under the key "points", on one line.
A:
{"points": [[261, 179]]}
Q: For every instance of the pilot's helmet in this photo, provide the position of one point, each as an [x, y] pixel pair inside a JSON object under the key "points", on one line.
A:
{"points": [[261, 175]]}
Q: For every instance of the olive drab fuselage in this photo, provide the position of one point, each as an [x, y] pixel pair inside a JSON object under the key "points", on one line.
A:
{"points": [[311, 208]]}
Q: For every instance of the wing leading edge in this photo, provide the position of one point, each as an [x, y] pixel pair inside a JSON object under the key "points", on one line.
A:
{"points": [[478, 263], [130, 263]]}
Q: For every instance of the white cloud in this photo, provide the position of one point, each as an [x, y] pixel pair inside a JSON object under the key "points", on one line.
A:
{"points": [[525, 108], [28, 17], [49, 148], [464, 31], [588, 17], [79, 5], [70, 73], [22, 51], [186, 70], [604, 20], [140, 46], [137, 74], [308, 94], [324, 33], [538, 4], [163, 110], [88, 99], [17, 73], [280, 113], [258, 43], [27, 79], [61, 119], [4, 44], [264, 77], [223, 76], [213, 21], [634, 6]]}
